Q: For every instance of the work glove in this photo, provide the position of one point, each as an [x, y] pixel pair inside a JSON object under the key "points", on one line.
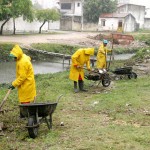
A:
{"points": [[89, 69], [78, 67], [11, 87], [100, 71]]}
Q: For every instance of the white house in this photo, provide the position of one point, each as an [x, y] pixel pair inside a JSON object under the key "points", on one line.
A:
{"points": [[145, 3], [121, 22], [24, 26], [137, 11]]}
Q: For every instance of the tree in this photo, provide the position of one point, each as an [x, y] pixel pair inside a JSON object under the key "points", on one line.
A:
{"points": [[46, 15], [22, 8], [92, 9], [5, 12], [14, 9]]}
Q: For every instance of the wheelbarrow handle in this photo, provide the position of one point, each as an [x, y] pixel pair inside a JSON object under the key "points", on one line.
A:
{"points": [[59, 98], [5, 98]]}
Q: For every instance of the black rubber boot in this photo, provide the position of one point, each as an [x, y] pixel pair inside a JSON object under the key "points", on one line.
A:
{"points": [[81, 85], [75, 87]]}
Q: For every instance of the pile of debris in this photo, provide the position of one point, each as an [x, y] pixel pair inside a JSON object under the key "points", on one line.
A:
{"points": [[117, 38], [100, 37]]}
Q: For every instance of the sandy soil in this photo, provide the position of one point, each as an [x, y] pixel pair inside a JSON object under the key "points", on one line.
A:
{"points": [[74, 38]]}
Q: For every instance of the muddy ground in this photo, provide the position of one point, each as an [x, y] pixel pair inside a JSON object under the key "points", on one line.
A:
{"points": [[87, 39]]}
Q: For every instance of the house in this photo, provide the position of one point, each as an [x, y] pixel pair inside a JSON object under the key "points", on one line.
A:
{"points": [[71, 11], [24, 26], [137, 11], [72, 16], [127, 18], [121, 22]]}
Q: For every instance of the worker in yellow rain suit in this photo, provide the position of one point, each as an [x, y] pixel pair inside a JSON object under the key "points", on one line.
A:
{"points": [[102, 57], [79, 59], [24, 81]]}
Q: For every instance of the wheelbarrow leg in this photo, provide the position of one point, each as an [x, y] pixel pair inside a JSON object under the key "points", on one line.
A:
{"points": [[50, 120], [48, 124]]}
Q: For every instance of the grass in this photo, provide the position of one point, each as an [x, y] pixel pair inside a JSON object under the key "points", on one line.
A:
{"points": [[57, 48], [115, 118]]}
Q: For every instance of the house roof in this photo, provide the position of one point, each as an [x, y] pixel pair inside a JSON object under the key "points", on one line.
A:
{"points": [[120, 5], [115, 15]]}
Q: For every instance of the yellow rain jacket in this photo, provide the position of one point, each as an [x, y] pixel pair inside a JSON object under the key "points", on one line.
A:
{"points": [[101, 57], [24, 76], [79, 58]]}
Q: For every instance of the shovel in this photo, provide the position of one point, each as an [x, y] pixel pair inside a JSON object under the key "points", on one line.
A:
{"points": [[5, 98]]}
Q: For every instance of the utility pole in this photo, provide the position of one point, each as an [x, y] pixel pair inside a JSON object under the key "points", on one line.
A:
{"points": [[82, 19]]}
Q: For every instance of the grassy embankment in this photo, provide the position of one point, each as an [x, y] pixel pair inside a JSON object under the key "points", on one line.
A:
{"points": [[115, 118]]}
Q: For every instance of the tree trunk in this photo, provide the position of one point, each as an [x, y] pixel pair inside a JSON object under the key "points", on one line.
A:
{"points": [[41, 26], [1, 31], [14, 29]]}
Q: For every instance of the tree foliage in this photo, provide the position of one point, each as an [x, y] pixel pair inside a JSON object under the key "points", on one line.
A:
{"points": [[14, 9], [22, 8], [45, 15], [94, 8]]}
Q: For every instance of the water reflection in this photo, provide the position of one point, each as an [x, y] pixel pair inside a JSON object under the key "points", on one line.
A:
{"points": [[8, 69]]}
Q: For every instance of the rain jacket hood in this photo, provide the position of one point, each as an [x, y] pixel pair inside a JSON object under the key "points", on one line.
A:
{"points": [[17, 51], [89, 51]]}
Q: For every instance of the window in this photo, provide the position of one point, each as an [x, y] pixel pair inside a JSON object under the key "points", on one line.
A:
{"points": [[103, 22], [66, 6], [78, 4]]}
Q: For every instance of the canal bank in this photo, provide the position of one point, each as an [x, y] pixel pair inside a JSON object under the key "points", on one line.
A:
{"points": [[8, 72]]}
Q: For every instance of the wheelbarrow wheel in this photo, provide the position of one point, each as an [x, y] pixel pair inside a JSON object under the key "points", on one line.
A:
{"points": [[33, 131], [132, 75], [106, 80]]}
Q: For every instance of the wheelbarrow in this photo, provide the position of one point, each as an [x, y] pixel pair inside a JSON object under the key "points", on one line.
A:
{"points": [[96, 76], [37, 113], [125, 71]]}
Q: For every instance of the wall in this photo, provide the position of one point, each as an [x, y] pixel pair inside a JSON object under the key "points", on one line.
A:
{"points": [[147, 23], [86, 27], [129, 24], [78, 9], [111, 24], [66, 23]]}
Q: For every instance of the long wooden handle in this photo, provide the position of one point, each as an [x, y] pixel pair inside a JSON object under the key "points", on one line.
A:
{"points": [[5, 98]]}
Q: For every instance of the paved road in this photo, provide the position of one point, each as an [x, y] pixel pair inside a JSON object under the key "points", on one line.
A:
{"points": [[60, 37]]}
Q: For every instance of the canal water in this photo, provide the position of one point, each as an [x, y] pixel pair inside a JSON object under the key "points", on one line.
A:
{"points": [[8, 69]]}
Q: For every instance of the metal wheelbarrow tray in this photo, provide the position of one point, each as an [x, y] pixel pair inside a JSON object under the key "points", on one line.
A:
{"points": [[36, 114], [127, 71]]}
